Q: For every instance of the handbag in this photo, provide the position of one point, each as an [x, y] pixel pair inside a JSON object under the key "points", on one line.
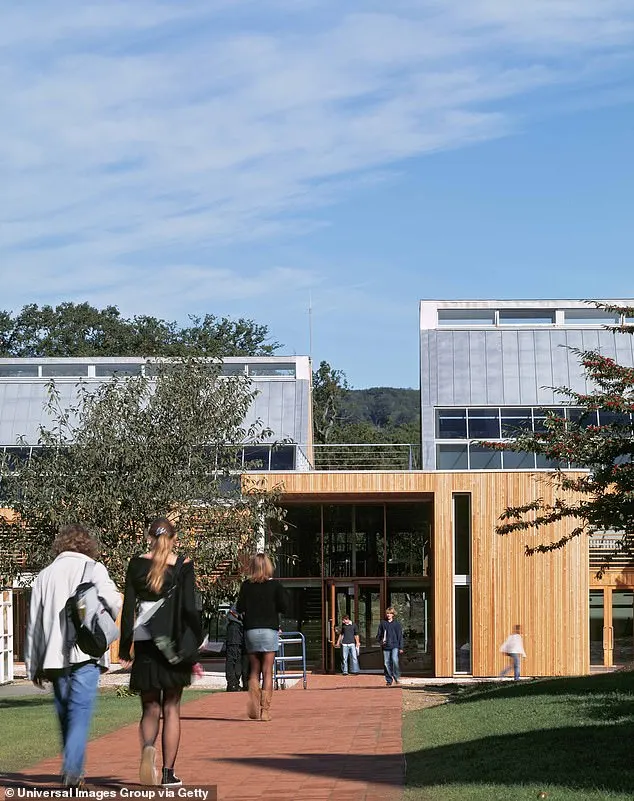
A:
{"points": [[164, 622]]}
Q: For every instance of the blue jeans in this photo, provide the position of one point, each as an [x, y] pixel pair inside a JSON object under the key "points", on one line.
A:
{"points": [[515, 667], [75, 695], [349, 650], [391, 669]]}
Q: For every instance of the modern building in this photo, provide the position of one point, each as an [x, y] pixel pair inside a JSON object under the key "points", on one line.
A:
{"points": [[425, 542], [282, 404]]}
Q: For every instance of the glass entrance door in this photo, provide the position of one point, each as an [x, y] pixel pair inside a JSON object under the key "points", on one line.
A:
{"points": [[364, 602], [611, 627]]}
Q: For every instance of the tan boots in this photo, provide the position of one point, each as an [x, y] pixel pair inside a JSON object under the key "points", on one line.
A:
{"points": [[253, 702], [259, 701], [266, 696]]}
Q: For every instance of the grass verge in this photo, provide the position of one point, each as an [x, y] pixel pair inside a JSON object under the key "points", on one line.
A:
{"points": [[30, 731], [568, 738]]}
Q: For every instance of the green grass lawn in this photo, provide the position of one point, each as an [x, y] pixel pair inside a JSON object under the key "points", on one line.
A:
{"points": [[29, 730], [569, 738]]}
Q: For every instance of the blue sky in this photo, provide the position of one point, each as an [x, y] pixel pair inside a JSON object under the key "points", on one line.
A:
{"points": [[242, 157]]}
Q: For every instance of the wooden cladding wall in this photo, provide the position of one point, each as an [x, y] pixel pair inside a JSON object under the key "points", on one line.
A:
{"points": [[547, 594]]}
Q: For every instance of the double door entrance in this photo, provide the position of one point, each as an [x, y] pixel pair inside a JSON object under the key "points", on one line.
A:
{"points": [[611, 626], [364, 601]]}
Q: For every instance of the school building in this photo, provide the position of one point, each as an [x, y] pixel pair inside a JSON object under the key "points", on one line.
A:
{"points": [[368, 527]]}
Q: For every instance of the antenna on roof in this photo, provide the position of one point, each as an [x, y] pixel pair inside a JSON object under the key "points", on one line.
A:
{"points": [[310, 325]]}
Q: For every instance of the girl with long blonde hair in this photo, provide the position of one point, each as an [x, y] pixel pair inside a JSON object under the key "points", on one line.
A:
{"points": [[261, 601], [149, 578]]}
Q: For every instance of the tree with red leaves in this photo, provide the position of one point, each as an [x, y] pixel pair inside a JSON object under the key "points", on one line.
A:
{"points": [[598, 497]]}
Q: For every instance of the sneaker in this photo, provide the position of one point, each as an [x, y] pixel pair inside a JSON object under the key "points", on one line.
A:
{"points": [[148, 774], [169, 780], [73, 782]]}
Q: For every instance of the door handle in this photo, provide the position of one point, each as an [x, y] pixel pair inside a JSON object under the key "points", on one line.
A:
{"points": [[611, 632]]}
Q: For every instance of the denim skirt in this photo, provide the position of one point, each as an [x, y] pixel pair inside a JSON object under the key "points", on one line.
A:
{"points": [[261, 640]]}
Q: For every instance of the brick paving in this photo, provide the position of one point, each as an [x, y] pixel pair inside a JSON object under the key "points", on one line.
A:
{"points": [[339, 740]]}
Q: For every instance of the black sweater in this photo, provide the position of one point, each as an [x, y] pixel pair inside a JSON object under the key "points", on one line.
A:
{"points": [[261, 603], [136, 589]]}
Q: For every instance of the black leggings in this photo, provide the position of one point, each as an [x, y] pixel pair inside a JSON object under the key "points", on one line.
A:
{"points": [[154, 703]]}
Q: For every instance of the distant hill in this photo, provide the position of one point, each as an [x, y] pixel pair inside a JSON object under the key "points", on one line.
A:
{"points": [[384, 407], [379, 414]]}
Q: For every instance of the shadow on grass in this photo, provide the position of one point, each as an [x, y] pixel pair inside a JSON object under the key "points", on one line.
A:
{"points": [[26, 701], [578, 758], [617, 682]]}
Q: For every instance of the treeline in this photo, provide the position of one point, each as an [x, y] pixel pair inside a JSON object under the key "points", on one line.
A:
{"points": [[380, 414], [79, 329]]}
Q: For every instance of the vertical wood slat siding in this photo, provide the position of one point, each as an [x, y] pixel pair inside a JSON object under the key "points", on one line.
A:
{"points": [[546, 593]]}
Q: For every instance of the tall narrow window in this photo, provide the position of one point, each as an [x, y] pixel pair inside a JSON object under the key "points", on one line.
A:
{"points": [[462, 581]]}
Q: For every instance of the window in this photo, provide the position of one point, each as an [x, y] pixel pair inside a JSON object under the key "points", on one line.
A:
{"points": [[451, 424], [590, 317], [541, 415], [481, 458], [271, 370], [18, 370], [526, 317], [233, 369], [462, 581], [451, 457], [106, 370], [516, 421], [466, 316], [61, 370], [518, 460], [484, 423]]}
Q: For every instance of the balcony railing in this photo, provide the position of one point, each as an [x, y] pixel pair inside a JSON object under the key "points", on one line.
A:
{"points": [[289, 456]]}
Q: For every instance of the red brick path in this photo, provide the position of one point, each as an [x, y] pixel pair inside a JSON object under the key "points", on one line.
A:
{"points": [[340, 740]]}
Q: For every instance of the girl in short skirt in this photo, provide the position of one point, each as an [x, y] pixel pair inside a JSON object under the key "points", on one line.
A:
{"points": [[261, 601], [159, 683]]}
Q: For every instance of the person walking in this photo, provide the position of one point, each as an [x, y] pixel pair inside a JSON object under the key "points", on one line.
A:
{"points": [[160, 683], [350, 645], [390, 635], [236, 659], [261, 601], [513, 647], [50, 651]]}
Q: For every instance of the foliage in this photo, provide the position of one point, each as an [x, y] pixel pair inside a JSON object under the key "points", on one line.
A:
{"points": [[601, 498], [329, 387], [82, 330], [386, 408], [130, 449], [379, 416]]}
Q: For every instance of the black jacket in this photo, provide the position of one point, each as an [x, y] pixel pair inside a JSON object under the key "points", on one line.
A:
{"points": [[136, 589], [261, 604]]}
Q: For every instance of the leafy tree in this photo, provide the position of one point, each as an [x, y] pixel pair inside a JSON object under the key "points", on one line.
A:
{"points": [[601, 498], [131, 449], [71, 329], [329, 388]]}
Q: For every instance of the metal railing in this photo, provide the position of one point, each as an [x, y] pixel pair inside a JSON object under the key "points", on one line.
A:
{"points": [[284, 456]]}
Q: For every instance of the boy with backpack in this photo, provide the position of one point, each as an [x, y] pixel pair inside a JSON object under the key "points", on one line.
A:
{"points": [[74, 604]]}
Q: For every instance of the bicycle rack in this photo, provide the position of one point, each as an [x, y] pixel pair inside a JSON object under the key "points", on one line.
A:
{"points": [[280, 672]]}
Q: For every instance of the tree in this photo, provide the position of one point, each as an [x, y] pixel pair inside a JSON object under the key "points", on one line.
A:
{"points": [[131, 449], [329, 389], [601, 498], [82, 330]]}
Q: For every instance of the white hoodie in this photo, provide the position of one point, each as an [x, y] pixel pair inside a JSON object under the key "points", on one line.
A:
{"points": [[45, 647]]}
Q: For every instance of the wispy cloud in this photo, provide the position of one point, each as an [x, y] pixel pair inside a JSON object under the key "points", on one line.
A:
{"points": [[133, 129]]}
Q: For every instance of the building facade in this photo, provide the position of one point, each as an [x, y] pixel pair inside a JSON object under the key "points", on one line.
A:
{"points": [[425, 542]]}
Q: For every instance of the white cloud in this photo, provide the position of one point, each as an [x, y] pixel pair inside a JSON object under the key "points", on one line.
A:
{"points": [[131, 129]]}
